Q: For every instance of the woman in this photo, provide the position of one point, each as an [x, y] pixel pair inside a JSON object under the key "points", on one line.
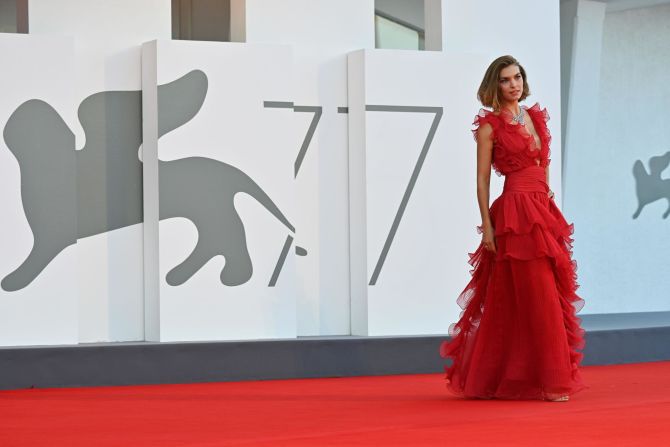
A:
{"points": [[518, 334]]}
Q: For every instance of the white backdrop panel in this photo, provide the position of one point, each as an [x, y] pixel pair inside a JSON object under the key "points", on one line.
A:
{"points": [[426, 262], [108, 36], [235, 137], [623, 260], [315, 32], [45, 310]]}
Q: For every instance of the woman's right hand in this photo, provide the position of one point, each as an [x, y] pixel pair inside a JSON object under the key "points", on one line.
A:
{"points": [[488, 238]]}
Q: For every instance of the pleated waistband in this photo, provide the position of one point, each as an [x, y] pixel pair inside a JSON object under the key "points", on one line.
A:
{"points": [[530, 179]]}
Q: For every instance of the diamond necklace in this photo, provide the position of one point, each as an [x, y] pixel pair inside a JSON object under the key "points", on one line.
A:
{"points": [[519, 118]]}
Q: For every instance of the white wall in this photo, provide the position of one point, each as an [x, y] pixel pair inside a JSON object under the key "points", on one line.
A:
{"points": [[45, 310], [108, 35], [231, 136], [107, 38], [531, 35], [321, 34], [623, 261], [411, 189]]}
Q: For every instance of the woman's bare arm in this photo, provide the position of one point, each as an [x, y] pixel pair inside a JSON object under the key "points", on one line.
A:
{"points": [[551, 193], [546, 169], [484, 157]]}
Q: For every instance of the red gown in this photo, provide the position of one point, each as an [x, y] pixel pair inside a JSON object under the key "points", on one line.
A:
{"points": [[518, 335]]}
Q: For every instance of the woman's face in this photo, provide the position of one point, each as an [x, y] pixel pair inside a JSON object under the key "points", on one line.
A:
{"points": [[510, 83]]}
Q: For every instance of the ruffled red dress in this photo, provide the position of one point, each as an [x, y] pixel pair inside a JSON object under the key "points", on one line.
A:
{"points": [[518, 336]]}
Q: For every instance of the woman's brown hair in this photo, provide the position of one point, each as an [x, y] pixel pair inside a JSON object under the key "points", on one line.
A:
{"points": [[489, 89]]}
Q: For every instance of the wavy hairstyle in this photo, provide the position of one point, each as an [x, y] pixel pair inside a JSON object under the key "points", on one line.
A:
{"points": [[489, 90]]}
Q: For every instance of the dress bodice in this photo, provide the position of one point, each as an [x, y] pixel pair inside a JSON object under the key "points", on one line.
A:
{"points": [[514, 147]]}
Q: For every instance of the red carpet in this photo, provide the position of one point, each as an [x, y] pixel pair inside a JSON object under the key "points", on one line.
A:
{"points": [[626, 405]]}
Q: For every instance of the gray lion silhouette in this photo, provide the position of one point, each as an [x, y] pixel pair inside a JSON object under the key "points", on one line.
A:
{"points": [[106, 179], [651, 187]]}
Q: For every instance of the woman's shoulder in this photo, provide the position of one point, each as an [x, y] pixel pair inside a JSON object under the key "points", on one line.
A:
{"points": [[502, 121], [484, 117]]}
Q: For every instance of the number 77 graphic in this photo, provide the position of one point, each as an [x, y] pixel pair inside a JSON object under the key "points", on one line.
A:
{"points": [[412, 181], [317, 110]]}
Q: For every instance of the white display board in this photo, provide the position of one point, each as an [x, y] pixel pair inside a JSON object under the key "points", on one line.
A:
{"points": [[314, 29], [412, 188], [38, 262], [355, 205], [618, 156], [107, 39], [222, 186]]}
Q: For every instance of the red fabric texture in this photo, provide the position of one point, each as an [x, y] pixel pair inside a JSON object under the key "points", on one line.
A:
{"points": [[628, 405], [513, 146], [518, 336]]}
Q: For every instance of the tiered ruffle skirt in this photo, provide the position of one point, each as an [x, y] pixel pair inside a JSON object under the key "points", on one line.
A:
{"points": [[518, 335]]}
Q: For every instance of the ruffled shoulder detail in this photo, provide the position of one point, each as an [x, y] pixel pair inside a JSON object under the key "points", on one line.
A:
{"points": [[513, 145], [541, 116], [485, 116]]}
